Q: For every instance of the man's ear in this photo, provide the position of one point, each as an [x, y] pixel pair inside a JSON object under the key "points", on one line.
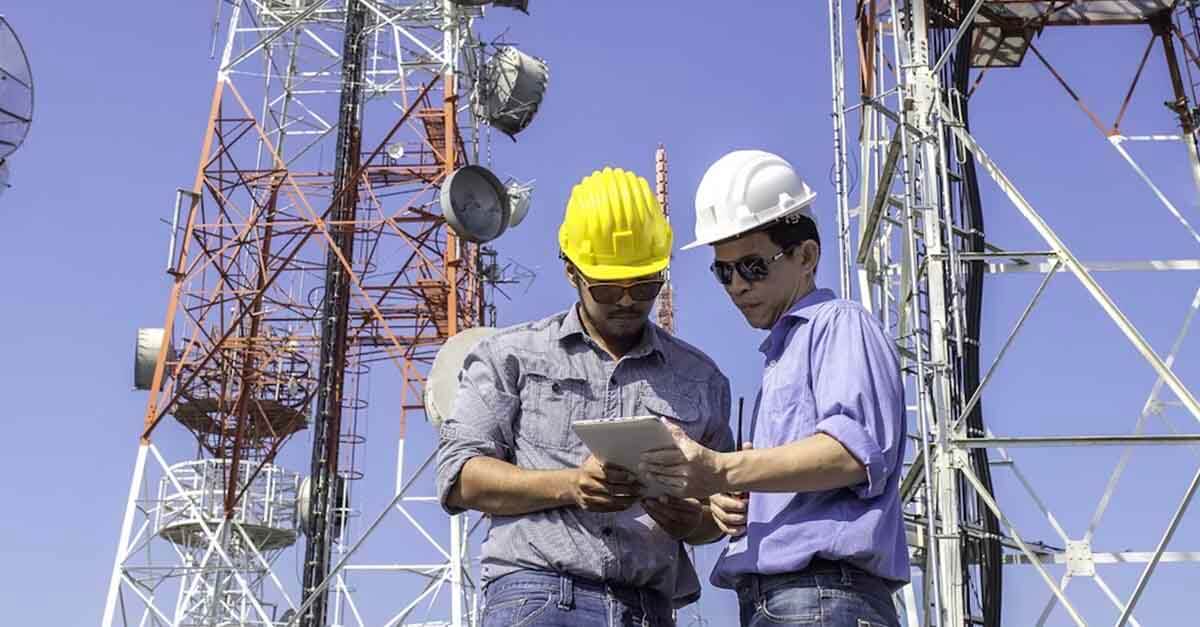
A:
{"points": [[569, 270], [810, 254]]}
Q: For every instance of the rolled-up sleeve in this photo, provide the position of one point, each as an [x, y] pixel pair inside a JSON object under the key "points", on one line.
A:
{"points": [[859, 395], [481, 423]]}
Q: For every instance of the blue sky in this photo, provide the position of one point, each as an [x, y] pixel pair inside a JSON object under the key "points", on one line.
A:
{"points": [[121, 98]]}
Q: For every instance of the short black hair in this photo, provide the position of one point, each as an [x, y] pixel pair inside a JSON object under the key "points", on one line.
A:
{"points": [[787, 233], [791, 231]]}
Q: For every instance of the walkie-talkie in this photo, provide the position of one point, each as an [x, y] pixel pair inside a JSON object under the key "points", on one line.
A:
{"points": [[741, 404]]}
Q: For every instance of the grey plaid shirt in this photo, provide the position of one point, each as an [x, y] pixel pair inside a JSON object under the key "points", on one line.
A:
{"points": [[519, 392]]}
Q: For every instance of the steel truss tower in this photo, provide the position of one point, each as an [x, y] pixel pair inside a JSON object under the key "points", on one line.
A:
{"points": [[309, 250], [913, 248], [665, 307]]}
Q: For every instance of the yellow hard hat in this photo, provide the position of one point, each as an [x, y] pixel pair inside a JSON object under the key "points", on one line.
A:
{"points": [[614, 228]]}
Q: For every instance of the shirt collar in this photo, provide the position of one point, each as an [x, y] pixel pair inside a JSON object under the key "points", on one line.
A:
{"points": [[802, 311], [651, 342], [570, 325]]}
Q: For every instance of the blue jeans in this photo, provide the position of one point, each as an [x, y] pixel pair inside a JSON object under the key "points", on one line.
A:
{"points": [[827, 594], [542, 599]]}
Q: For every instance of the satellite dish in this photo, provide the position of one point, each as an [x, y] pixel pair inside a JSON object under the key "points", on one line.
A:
{"points": [[5, 173], [395, 151], [520, 5], [442, 383], [145, 357], [520, 197], [304, 504], [511, 89], [475, 204], [16, 91]]}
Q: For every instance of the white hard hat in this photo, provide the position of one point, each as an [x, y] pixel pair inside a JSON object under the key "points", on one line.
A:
{"points": [[744, 190]]}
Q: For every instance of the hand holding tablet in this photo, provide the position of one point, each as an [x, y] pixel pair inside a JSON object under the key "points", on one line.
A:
{"points": [[621, 442]]}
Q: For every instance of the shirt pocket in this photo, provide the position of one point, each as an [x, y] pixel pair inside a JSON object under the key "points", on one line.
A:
{"points": [[676, 405], [552, 397], [787, 412]]}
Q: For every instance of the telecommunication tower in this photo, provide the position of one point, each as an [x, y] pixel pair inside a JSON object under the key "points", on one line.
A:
{"points": [[913, 248], [336, 225], [666, 298]]}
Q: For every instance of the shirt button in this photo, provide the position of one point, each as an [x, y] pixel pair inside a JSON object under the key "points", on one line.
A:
{"points": [[556, 388], [606, 531]]}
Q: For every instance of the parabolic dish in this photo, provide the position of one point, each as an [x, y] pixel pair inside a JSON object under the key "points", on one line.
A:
{"points": [[475, 204], [16, 91], [145, 357], [520, 197], [511, 90], [442, 383], [338, 501]]}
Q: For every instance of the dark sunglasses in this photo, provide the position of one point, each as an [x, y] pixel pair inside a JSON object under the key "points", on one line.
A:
{"points": [[752, 268], [612, 293]]}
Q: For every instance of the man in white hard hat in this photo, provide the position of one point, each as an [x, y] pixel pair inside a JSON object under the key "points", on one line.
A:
{"points": [[814, 505], [571, 542]]}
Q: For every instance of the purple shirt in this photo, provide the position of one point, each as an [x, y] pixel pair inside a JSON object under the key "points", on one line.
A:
{"points": [[830, 368]]}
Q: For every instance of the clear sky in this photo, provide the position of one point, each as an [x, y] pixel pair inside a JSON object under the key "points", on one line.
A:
{"points": [[122, 93]]}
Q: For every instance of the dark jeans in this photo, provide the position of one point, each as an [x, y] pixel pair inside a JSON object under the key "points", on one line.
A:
{"points": [[826, 594], [543, 599]]}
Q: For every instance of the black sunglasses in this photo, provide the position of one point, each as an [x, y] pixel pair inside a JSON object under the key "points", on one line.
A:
{"points": [[752, 268], [612, 293]]}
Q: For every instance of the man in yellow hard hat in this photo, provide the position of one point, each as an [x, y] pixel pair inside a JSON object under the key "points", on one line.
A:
{"points": [[572, 542]]}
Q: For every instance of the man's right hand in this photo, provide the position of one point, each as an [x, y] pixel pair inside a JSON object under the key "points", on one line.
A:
{"points": [[604, 488]]}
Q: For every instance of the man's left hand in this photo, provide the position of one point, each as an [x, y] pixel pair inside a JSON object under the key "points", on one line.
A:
{"points": [[687, 470], [678, 517]]}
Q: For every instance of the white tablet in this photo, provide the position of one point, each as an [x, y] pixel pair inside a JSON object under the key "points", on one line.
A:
{"points": [[621, 442]]}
